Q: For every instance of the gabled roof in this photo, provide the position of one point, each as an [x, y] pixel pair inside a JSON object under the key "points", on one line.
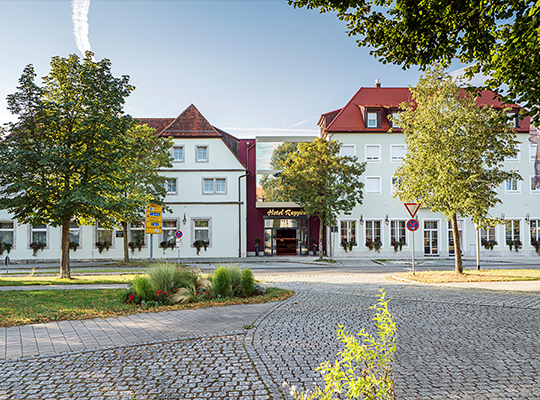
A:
{"points": [[191, 124], [351, 117]]}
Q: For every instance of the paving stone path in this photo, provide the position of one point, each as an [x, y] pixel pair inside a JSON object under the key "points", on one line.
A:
{"points": [[452, 344]]}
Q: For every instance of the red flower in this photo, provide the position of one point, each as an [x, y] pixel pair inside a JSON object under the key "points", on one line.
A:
{"points": [[165, 292], [159, 292]]}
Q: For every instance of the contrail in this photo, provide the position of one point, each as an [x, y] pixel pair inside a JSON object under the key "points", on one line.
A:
{"points": [[80, 24]]}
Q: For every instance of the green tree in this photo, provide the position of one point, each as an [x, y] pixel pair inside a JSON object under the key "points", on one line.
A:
{"points": [[64, 158], [272, 185], [501, 38], [323, 182], [143, 183], [456, 152]]}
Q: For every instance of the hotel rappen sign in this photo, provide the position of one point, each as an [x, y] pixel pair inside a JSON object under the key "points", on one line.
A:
{"points": [[286, 212]]}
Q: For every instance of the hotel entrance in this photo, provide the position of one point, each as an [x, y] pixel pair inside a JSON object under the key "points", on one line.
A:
{"points": [[285, 236]]}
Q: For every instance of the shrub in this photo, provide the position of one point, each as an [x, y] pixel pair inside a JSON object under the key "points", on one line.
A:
{"points": [[365, 368], [169, 277], [221, 281], [247, 281], [236, 275], [143, 288]]}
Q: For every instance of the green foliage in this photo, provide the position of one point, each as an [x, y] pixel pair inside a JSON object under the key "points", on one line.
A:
{"points": [[514, 244], [199, 244], [456, 152], [247, 281], [397, 245], [374, 245], [221, 281], [488, 244], [498, 39], [347, 245], [236, 274], [35, 246], [365, 366], [169, 277], [105, 245], [323, 182], [273, 186], [143, 288]]}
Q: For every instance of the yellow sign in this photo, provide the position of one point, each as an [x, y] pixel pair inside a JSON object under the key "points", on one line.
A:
{"points": [[154, 216]]}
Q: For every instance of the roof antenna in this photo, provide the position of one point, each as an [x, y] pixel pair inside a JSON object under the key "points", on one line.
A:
{"points": [[377, 83]]}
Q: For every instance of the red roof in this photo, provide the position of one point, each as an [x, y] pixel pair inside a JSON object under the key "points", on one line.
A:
{"points": [[350, 117]]}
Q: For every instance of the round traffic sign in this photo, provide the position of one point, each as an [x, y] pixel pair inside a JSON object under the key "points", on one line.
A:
{"points": [[178, 234], [412, 225]]}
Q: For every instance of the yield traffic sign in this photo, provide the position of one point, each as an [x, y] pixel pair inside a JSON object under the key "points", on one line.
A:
{"points": [[412, 208]]}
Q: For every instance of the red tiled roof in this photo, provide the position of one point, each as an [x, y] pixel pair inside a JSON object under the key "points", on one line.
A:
{"points": [[157, 123], [349, 118]]}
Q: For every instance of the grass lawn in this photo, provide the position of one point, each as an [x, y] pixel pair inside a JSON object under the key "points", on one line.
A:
{"points": [[491, 275], [76, 280], [20, 307]]}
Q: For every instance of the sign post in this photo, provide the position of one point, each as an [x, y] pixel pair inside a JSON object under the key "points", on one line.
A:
{"points": [[154, 219], [178, 234], [412, 225]]}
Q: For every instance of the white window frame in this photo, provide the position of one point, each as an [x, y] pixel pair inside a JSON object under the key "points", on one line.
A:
{"points": [[98, 228], [513, 120], [353, 146], [520, 225], [381, 225], [395, 114], [397, 160], [373, 178], [32, 229], [78, 228], [197, 153], [450, 231], [377, 119], [214, 186], [393, 186], [390, 225], [512, 191], [440, 239], [532, 152], [536, 222], [183, 159], [531, 184], [348, 221], [488, 237], [168, 229], [192, 224], [373, 160], [175, 186], [12, 230], [142, 228], [517, 158]]}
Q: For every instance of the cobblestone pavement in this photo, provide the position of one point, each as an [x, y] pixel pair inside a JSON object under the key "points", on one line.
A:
{"points": [[452, 344]]}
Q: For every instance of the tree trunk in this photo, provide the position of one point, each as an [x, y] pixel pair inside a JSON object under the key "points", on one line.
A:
{"points": [[126, 247], [65, 271], [457, 245], [320, 238]]}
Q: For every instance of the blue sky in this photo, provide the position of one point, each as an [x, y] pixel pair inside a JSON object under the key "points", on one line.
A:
{"points": [[250, 67]]}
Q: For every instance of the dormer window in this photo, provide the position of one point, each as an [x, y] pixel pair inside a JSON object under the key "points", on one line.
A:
{"points": [[373, 120], [513, 119], [395, 122]]}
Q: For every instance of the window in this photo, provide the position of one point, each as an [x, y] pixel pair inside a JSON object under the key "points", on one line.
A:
{"points": [[513, 119], [395, 123], [516, 157], [372, 120], [74, 233], [171, 185], [512, 229], [169, 229], [104, 236], [201, 153], [398, 232], [397, 152], [348, 231], [38, 234], [214, 186], [395, 183], [178, 153], [512, 186], [532, 152], [451, 243], [202, 230], [535, 230], [347, 150], [373, 231], [373, 152], [487, 234], [7, 233], [137, 233], [373, 184], [534, 188]]}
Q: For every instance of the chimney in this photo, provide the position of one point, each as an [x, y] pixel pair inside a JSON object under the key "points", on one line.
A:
{"points": [[377, 83]]}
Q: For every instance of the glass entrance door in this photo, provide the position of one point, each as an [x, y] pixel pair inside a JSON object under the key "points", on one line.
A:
{"points": [[451, 244], [431, 239]]}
